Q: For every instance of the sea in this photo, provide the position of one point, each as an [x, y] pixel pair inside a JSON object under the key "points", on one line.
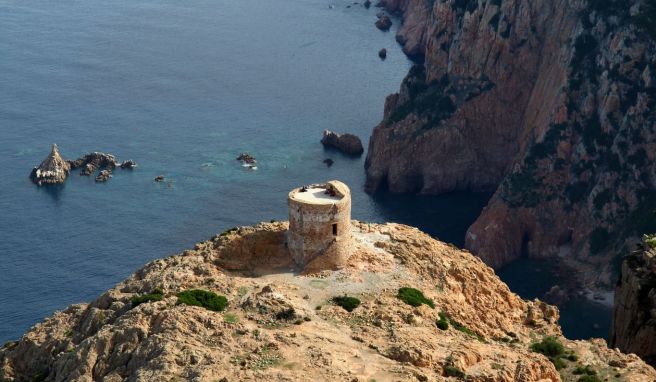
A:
{"points": [[182, 88]]}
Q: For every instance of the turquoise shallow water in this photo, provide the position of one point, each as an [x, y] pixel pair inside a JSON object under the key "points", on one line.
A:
{"points": [[182, 88]]}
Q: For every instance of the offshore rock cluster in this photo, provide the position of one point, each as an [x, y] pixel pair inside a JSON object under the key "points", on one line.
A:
{"points": [[54, 169]]}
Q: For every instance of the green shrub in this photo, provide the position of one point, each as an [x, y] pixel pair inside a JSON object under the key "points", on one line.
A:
{"points": [[573, 357], [452, 371], [558, 363], [230, 318], [549, 346], [587, 370], [650, 240], [203, 298], [286, 314], [462, 328], [443, 322], [589, 378], [346, 302], [414, 297], [156, 295]]}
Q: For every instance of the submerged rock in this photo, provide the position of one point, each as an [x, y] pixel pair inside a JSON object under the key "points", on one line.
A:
{"points": [[347, 143], [129, 164], [53, 170], [367, 4], [159, 178], [382, 54], [104, 176], [246, 158], [329, 162], [384, 23]]}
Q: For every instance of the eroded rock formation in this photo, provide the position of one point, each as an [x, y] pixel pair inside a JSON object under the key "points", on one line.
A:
{"points": [[281, 326], [549, 103], [634, 316], [53, 170], [347, 143]]}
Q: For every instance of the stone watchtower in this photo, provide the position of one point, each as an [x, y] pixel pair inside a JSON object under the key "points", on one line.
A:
{"points": [[319, 235]]}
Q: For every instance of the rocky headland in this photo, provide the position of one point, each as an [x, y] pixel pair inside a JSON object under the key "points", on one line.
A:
{"points": [[550, 104], [267, 321], [634, 317]]}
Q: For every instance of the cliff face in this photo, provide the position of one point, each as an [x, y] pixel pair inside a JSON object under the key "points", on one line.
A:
{"points": [[284, 326], [550, 103], [634, 318]]}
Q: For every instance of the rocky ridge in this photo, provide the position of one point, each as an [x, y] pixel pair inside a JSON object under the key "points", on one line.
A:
{"points": [[282, 325], [551, 104]]}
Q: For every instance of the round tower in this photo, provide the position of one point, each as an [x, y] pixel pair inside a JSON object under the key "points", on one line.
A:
{"points": [[319, 235]]}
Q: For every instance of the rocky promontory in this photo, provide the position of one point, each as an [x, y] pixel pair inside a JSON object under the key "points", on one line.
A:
{"points": [[634, 317], [405, 307], [551, 105]]}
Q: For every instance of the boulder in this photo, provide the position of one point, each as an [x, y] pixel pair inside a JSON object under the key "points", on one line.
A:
{"points": [[93, 161], [367, 4], [329, 162], [159, 178], [129, 164], [346, 143], [384, 23], [382, 54], [104, 176], [247, 158], [53, 169]]}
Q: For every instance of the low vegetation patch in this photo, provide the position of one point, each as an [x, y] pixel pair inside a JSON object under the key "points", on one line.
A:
{"points": [[553, 349], [230, 318], [414, 297], [589, 378], [452, 371], [346, 302], [443, 322], [156, 295], [208, 300], [585, 370]]}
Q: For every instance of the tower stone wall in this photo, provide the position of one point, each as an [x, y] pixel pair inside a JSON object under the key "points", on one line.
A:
{"points": [[319, 235]]}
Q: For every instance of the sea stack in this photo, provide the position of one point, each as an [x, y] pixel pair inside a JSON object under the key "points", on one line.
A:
{"points": [[53, 169], [346, 143]]}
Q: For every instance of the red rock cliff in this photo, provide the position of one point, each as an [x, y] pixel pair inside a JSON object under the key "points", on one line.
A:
{"points": [[549, 103]]}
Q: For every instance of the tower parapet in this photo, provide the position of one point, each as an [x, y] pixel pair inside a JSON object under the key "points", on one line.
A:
{"points": [[319, 235]]}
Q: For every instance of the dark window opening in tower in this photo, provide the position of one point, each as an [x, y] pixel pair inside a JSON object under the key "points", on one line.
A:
{"points": [[335, 229]]}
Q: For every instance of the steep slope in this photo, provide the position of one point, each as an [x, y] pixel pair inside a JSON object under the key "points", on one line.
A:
{"points": [[634, 317], [283, 326], [550, 103]]}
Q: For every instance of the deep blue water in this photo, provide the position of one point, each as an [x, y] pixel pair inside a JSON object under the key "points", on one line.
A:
{"points": [[182, 88], [580, 318]]}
